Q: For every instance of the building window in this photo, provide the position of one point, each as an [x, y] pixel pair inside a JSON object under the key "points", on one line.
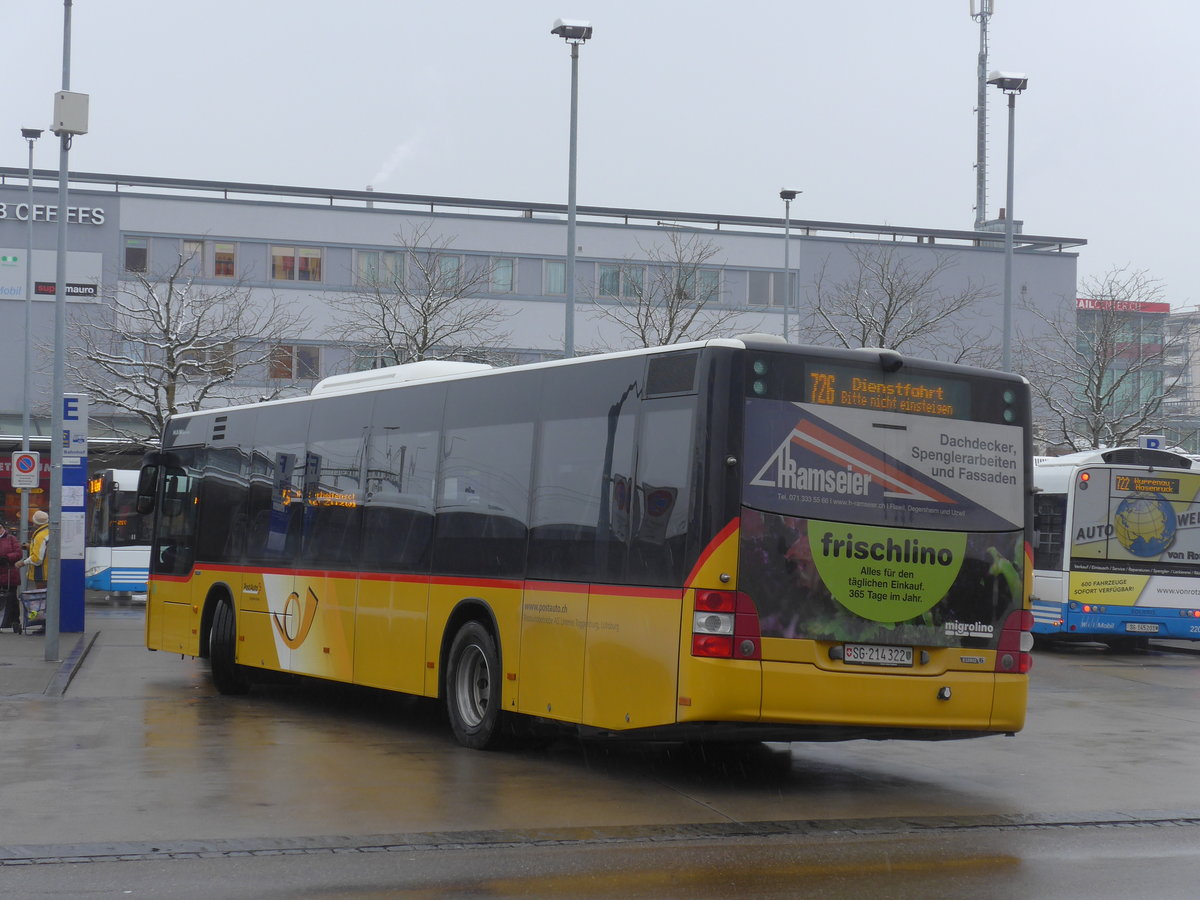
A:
{"points": [[224, 260], [632, 278], [192, 256], [218, 360], [702, 285], [610, 281], [367, 358], [449, 270], [503, 274], [292, 264], [283, 263], [554, 277], [378, 267], [136, 253], [290, 361], [621, 281], [766, 289]]}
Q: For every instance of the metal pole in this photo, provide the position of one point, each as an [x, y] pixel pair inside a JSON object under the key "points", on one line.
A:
{"points": [[983, 15], [54, 544], [23, 528], [569, 342], [1008, 242], [787, 263]]}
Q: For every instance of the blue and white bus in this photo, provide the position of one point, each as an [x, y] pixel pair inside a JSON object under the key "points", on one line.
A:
{"points": [[117, 537], [1117, 547]]}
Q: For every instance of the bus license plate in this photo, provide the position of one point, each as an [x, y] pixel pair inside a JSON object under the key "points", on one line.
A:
{"points": [[877, 655], [1142, 627]]}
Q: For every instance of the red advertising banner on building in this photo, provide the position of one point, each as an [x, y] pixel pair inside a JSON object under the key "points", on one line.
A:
{"points": [[1133, 306]]}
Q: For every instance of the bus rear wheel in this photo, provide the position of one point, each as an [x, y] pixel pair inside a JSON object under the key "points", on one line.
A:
{"points": [[227, 675], [473, 687]]}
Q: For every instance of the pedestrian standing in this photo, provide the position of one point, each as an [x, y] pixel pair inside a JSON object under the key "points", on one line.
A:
{"points": [[37, 549], [10, 577]]}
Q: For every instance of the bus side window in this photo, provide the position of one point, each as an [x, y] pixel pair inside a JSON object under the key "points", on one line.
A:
{"points": [[1049, 523], [662, 491], [174, 550]]}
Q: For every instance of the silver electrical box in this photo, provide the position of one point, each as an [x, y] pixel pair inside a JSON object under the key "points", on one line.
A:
{"points": [[70, 113]]}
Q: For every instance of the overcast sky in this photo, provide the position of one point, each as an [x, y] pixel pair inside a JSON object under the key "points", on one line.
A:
{"points": [[867, 106]]}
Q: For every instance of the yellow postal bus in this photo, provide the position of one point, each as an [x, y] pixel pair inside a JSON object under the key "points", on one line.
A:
{"points": [[736, 539]]}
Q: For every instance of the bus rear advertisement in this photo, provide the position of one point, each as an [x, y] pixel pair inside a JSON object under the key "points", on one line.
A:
{"points": [[738, 539]]}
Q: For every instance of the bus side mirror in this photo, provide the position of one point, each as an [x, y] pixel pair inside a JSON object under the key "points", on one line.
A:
{"points": [[147, 489]]}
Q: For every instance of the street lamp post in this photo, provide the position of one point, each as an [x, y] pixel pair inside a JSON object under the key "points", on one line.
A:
{"points": [[574, 32], [1011, 83], [70, 119], [30, 135], [787, 197]]}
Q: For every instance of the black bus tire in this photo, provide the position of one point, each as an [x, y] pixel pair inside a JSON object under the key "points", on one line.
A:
{"points": [[473, 688], [227, 675]]}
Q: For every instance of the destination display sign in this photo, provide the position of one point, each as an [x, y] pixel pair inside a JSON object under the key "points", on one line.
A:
{"points": [[832, 385]]}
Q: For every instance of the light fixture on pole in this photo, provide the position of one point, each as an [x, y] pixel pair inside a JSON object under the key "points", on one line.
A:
{"points": [[30, 135], [1011, 83], [787, 197], [574, 32]]}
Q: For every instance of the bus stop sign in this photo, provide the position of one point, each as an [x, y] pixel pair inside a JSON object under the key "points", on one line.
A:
{"points": [[26, 469]]}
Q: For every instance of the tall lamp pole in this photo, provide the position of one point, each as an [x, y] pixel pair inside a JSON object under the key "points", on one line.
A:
{"points": [[574, 32], [1011, 83], [70, 119], [787, 197], [30, 135]]}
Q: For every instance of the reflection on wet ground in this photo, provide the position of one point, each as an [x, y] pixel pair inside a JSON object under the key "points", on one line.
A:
{"points": [[142, 748]]}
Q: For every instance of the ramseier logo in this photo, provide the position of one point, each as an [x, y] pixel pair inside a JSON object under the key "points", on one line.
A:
{"points": [[781, 471]]}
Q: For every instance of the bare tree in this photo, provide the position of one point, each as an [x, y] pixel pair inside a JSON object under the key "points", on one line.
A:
{"points": [[666, 296], [164, 344], [890, 301], [1106, 370], [421, 302]]}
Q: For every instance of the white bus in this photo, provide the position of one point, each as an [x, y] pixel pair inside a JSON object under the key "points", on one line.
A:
{"points": [[1117, 547], [117, 537]]}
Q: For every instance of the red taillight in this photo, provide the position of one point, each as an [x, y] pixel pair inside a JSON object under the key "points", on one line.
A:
{"points": [[715, 601], [725, 626], [717, 645], [1016, 640]]}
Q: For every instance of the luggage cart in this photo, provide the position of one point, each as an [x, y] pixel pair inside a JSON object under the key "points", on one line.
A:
{"points": [[33, 612]]}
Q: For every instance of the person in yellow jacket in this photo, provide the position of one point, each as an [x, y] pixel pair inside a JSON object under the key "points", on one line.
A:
{"points": [[37, 549]]}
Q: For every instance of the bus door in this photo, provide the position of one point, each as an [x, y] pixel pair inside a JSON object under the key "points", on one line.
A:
{"points": [[172, 558]]}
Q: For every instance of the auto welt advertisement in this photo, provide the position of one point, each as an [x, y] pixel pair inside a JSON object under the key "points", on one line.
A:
{"points": [[878, 527], [1135, 538]]}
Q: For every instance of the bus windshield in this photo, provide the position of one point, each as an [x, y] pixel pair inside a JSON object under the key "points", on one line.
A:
{"points": [[883, 507]]}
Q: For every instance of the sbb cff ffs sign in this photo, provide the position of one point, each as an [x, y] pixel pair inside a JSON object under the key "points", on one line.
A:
{"points": [[26, 469]]}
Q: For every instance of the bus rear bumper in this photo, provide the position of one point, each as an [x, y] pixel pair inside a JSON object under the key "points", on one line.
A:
{"points": [[800, 697]]}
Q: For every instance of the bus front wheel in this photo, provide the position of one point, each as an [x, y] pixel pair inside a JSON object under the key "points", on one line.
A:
{"points": [[473, 687], [227, 675]]}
